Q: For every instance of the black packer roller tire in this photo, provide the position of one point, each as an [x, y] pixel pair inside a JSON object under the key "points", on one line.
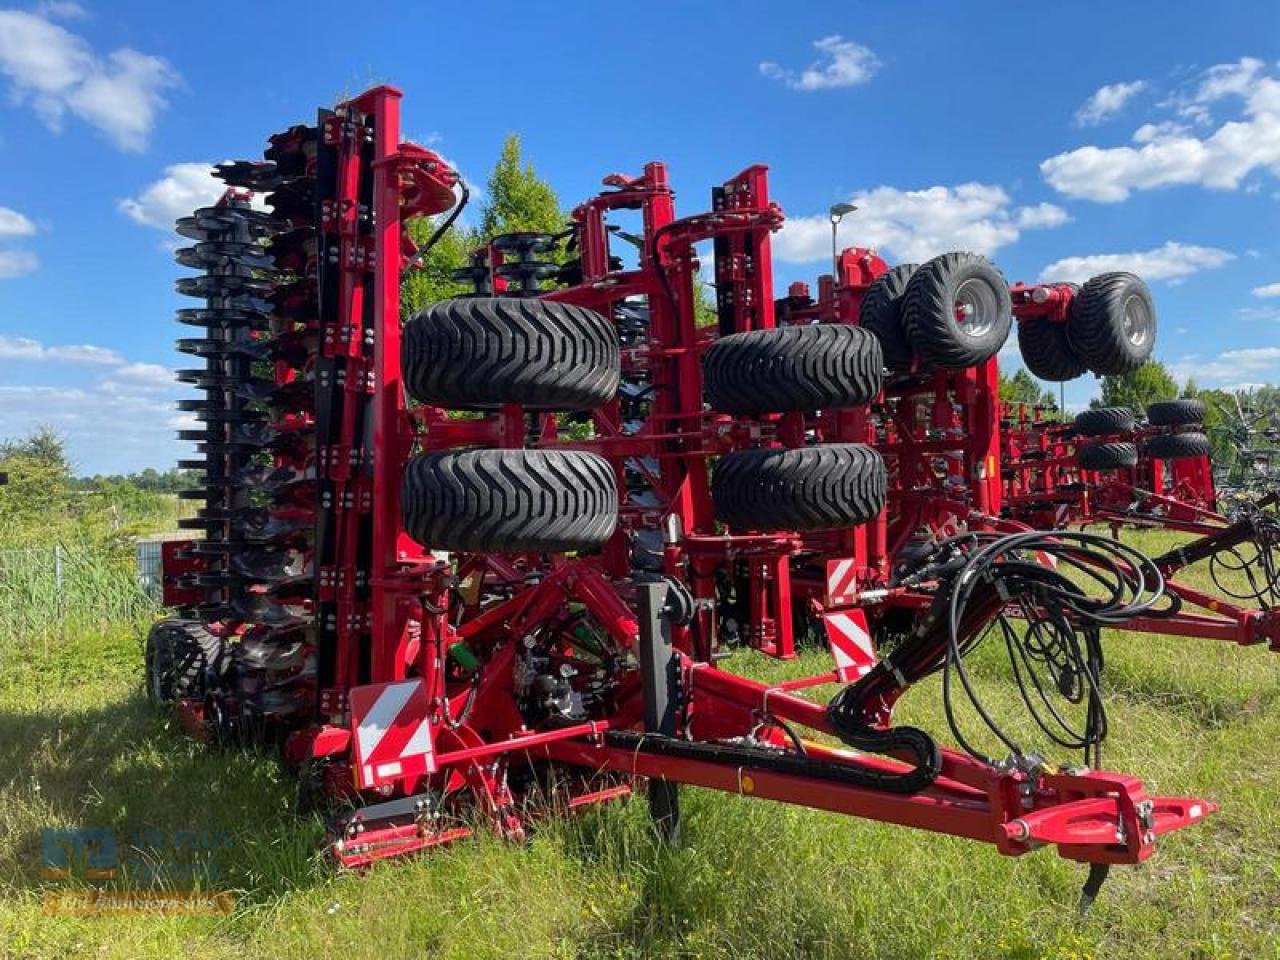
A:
{"points": [[1176, 413], [957, 311], [1113, 323], [1178, 446], [1107, 456], [1103, 421], [881, 314], [502, 501], [482, 352], [813, 367], [184, 660], [823, 487]]}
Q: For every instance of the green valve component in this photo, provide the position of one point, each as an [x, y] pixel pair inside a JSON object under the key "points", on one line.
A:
{"points": [[464, 657], [586, 639]]}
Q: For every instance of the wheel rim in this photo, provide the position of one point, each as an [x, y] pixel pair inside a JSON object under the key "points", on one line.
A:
{"points": [[1137, 320], [976, 308]]}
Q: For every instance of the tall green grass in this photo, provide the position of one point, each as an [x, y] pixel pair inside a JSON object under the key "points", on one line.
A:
{"points": [[79, 746]]}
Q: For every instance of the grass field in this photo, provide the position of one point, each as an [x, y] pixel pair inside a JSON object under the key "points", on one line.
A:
{"points": [[79, 746]]}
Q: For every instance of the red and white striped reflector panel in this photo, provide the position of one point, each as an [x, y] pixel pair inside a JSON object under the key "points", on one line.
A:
{"points": [[392, 732], [842, 582], [851, 643]]}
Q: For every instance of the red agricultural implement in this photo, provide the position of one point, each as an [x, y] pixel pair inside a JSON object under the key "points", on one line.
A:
{"points": [[499, 549]]}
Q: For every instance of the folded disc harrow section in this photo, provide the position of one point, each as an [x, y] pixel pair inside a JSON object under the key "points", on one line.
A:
{"points": [[501, 547]]}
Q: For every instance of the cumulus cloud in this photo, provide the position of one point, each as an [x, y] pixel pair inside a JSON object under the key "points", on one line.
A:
{"points": [[1106, 102], [1227, 368], [1267, 290], [1169, 153], [24, 348], [841, 63], [183, 188], [1171, 261], [14, 224], [915, 225], [56, 72], [17, 263]]}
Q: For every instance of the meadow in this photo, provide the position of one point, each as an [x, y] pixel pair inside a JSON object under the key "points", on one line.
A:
{"points": [[81, 747]]}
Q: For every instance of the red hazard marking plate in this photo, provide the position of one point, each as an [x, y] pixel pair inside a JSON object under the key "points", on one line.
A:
{"points": [[851, 644], [391, 731], [842, 582]]}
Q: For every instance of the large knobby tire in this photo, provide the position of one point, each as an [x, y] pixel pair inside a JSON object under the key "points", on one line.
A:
{"points": [[1178, 446], [1113, 323], [497, 501], [811, 488], [881, 313], [1107, 456], [481, 352], [1046, 350], [1105, 421], [1176, 413], [813, 367], [184, 661], [957, 311]]}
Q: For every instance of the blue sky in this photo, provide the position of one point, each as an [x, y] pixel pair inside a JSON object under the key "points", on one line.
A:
{"points": [[1059, 139]]}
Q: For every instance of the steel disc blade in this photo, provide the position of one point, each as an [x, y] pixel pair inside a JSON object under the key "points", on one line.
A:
{"points": [[250, 174]]}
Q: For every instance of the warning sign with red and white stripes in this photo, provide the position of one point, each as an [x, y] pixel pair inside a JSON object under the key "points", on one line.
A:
{"points": [[392, 732], [851, 644], [842, 582]]}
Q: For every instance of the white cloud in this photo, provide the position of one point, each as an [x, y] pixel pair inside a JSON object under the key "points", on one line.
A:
{"points": [[842, 63], [183, 188], [918, 224], [14, 224], [1228, 367], [1169, 154], [1172, 261], [1106, 102], [24, 348], [17, 263], [61, 10], [1267, 290], [56, 72]]}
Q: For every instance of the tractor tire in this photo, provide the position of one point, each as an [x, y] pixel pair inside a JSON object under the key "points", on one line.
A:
{"points": [[1107, 456], [1176, 413], [1113, 323], [881, 314], [813, 367], [949, 285], [482, 352], [184, 661], [501, 501], [1046, 350], [1178, 446], [1105, 421], [811, 488]]}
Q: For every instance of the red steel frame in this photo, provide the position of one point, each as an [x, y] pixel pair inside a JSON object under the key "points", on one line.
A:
{"points": [[395, 613]]}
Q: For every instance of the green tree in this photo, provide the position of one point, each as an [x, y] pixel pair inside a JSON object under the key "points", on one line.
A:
{"points": [[1148, 384], [1024, 388], [432, 278], [39, 473], [518, 199]]}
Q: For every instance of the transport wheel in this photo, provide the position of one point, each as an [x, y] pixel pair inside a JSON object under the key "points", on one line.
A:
{"points": [[496, 501], [1107, 456], [813, 367], [1178, 446], [1175, 413], [957, 310], [183, 660], [1113, 323], [881, 313], [1104, 421], [480, 352], [811, 488], [1046, 350]]}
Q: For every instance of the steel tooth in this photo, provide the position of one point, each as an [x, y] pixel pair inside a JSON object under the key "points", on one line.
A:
{"points": [[193, 465], [203, 379], [258, 653], [292, 149], [296, 586], [224, 254], [251, 174], [221, 318], [258, 608], [210, 286]]}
